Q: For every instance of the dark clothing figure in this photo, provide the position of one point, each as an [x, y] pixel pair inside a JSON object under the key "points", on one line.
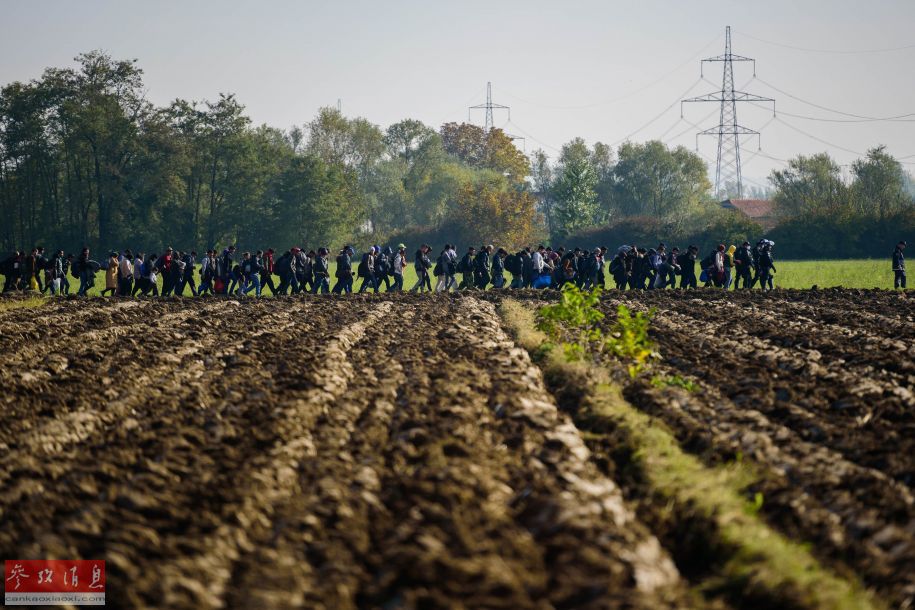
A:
{"points": [[688, 270], [344, 274], [743, 267], [481, 270], [898, 268]]}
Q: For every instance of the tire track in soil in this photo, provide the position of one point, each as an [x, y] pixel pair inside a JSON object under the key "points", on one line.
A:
{"points": [[494, 500], [853, 512]]}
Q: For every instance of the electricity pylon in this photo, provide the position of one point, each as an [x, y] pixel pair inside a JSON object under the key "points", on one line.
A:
{"points": [[728, 129]]}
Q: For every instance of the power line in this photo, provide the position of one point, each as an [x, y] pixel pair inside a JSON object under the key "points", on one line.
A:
{"points": [[518, 128], [820, 140], [821, 107], [825, 120], [661, 114], [622, 97], [833, 51]]}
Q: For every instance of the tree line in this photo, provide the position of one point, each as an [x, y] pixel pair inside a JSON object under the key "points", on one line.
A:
{"points": [[85, 159]]}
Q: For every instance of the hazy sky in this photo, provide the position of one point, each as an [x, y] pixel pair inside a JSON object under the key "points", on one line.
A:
{"points": [[600, 69]]}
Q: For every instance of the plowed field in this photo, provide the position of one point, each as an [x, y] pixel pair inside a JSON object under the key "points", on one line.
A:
{"points": [[402, 452]]}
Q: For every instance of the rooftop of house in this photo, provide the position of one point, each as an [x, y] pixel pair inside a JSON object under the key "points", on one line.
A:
{"points": [[754, 208]]}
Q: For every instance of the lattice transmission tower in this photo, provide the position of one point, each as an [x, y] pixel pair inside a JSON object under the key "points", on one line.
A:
{"points": [[489, 106], [728, 130]]}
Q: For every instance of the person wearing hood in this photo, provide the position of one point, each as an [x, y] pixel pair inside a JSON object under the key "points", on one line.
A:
{"points": [[729, 266], [899, 266]]}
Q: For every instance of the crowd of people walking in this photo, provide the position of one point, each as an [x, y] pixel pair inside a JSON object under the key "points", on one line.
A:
{"points": [[630, 268]]}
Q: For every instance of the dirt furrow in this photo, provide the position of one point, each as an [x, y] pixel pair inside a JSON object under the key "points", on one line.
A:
{"points": [[537, 523], [202, 577], [851, 414]]}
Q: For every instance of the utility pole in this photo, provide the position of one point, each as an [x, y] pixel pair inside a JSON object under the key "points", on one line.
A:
{"points": [[728, 130], [489, 106]]}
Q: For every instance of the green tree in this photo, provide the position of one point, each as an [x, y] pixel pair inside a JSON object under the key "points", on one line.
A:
{"points": [[652, 180], [574, 190], [809, 185], [879, 186]]}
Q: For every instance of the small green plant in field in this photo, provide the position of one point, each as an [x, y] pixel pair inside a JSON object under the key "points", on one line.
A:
{"points": [[628, 340], [574, 322], [666, 381]]}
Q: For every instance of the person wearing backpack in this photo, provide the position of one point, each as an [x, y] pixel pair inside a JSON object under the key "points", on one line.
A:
{"points": [[422, 264], [367, 271], [481, 264], [465, 268], [513, 265], [251, 269], [618, 269], [344, 271], [397, 266], [743, 265], [321, 272], [438, 270], [137, 274], [383, 263], [766, 266]]}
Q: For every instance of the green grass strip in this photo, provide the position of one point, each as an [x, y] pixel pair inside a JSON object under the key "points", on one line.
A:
{"points": [[10, 303], [759, 562]]}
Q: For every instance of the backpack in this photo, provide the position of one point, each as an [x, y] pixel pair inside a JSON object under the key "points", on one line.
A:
{"points": [[513, 264], [73, 270], [462, 266], [363, 268], [708, 261]]}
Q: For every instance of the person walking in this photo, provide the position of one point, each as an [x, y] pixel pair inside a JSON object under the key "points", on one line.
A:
{"points": [[366, 271], [899, 266], [465, 268], [498, 268], [743, 266], [344, 271], [422, 264], [766, 266], [125, 273], [687, 263], [111, 275], [321, 272], [397, 267]]}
